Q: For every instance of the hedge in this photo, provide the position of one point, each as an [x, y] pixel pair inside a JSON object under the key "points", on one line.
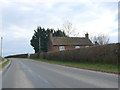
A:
{"points": [[102, 53]]}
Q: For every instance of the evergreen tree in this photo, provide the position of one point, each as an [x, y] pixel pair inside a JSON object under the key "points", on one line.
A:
{"points": [[59, 33], [41, 37]]}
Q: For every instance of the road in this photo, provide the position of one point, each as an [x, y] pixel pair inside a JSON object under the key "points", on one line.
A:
{"points": [[25, 73]]}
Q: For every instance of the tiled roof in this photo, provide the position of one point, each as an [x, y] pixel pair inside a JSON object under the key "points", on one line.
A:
{"points": [[71, 41]]}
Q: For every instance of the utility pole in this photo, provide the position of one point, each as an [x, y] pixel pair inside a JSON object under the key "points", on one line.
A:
{"points": [[1, 47], [39, 45], [39, 48]]}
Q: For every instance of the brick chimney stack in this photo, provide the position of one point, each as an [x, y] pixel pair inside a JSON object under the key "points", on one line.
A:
{"points": [[87, 35]]}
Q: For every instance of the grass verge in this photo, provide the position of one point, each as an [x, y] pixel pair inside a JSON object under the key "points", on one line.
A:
{"points": [[1, 59], [4, 64], [110, 68]]}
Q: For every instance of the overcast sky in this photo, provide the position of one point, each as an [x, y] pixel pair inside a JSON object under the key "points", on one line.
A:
{"points": [[19, 18]]}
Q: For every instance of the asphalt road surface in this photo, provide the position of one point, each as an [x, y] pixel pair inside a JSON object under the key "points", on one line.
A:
{"points": [[25, 73]]}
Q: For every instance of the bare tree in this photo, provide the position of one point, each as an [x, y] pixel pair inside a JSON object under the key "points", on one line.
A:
{"points": [[100, 39], [69, 28]]}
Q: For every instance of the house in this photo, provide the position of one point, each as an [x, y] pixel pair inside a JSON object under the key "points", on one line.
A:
{"points": [[66, 43]]}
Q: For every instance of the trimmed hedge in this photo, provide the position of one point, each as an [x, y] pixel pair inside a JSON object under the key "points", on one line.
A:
{"points": [[103, 53], [34, 55]]}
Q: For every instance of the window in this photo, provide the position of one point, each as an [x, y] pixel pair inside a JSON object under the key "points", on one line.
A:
{"points": [[86, 46], [77, 46], [61, 48]]}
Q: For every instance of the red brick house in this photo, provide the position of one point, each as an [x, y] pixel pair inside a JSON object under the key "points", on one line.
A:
{"points": [[66, 43]]}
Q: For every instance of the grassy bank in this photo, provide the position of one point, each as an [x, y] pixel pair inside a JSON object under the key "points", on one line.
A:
{"points": [[4, 64], [1, 59], [85, 65]]}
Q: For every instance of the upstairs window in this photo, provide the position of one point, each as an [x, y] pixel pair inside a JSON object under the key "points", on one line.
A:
{"points": [[61, 48], [77, 46]]}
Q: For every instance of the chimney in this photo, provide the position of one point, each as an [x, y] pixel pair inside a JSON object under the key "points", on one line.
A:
{"points": [[87, 35]]}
